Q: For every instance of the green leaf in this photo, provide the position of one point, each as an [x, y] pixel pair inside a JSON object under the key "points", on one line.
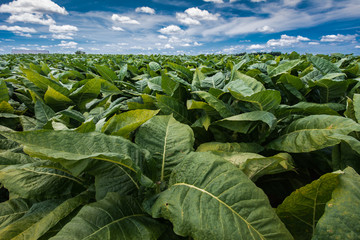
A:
{"points": [[43, 83], [267, 100], [356, 103], [43, 113], [292, 80], [251, 82], [207, 193], [33, 230], [245, 122], [106, 72], [113, 217], [312, 133], [324, 65], [342, 213], [216, 81], [239, 87], [222, 108], [55, 99], [330, 89], [182, 70], [168, 85], [123, 124], [17, 229], [12, 210], [255, 168], [73, 150], [154, 66], [303, 208], [86, 93], [39, 180], [155, 84], [229, 147], [284, 67], [198, 78], [167, 140], [6, 107], [4, 92], [306, 108], [169, 105], [12, 158]]}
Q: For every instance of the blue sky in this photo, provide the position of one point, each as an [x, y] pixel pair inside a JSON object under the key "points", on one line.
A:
{"points": [[180, 26]]}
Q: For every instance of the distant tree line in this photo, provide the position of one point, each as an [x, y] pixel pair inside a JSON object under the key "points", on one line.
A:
{"points": [[259, 53]]}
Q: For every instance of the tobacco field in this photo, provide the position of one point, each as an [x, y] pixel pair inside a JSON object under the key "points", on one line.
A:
{"points": [[180, 147]]}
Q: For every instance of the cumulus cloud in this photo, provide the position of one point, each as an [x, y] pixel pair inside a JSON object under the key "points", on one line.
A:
{"points": [[291, 3], [117, 28], [17, 29], [36, 18], [256, 46], [357, 46], [214, 1], [171, 29], [338, 38], [314, 43], [193, 16], [62, 36], [65, 44], [286, 40], [123, 19], [62, 28], [266, 29], [145, 10], [258, 0], [162, 37], [32, 6], [168, 46]]}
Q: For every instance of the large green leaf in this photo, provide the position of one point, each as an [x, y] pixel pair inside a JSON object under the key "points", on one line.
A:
{"points": [[209, 198], [229, 147], [43, 113], [312, 133], [12, 210], [168, 85], [251, 82], [342, 212], [216, 81], [356, 104], [37, 221], [167, 140], [113, 217], [169, 105], [39, 180], [307, 108], [123, 124], [324, 65], [246, 122], [182, 70], [303, 208], [55, 99], [106, 72], [223, 109], [4, 92], [73, 150], [267, 100], [284, 67], [329, 89], [86, 92]]}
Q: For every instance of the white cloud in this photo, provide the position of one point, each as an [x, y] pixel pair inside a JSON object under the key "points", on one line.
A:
{"points": [[24, 34], [43, 36], [338, 38], [123, 19], [171, 29], [193, 16], [256, 46], [36, 18], [162, 37], [1, 49], [21, 48], [168, 46], [257, 1], [62, 36], [291, 3], [357, 46], [32, 6], [197, 44], [62, 28], [314, 43], [185, 45], [145, 10], [117, 28], [266, 29], [65, 44], [94, 49], [18, 30], [214, 1], [286, 40]]}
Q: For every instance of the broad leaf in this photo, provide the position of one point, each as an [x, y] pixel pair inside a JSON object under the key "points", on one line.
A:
{"points": [[222, 108], [312, 133], [12, 210], [324, 65], [303, 208], [229, 147], [55, 99], [342, 213], [246, 122], [123, 124], [167, 140], [206, 193], [169, 105], [216, 81], [4, 92], [106, 72], [267, 100], [114, 217], [284, 67]]}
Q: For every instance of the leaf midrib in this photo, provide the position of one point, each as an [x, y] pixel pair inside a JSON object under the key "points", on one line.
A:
{"points": [[224, 204]]}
